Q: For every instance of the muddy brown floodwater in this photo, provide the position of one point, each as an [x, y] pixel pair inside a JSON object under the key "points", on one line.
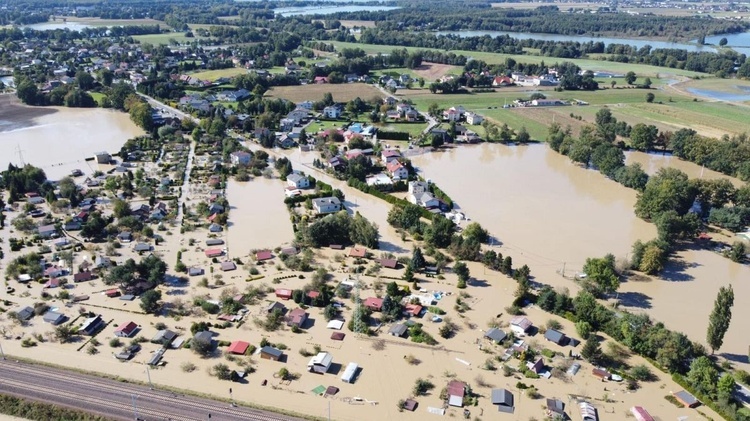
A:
{"points": [[258, 217], [552, 214], [59, 139]]}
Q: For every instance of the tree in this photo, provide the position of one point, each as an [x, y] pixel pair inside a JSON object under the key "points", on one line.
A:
{"points": [[643, 137], [602, 272], [462, 271], [723, 42], [408, 274], [721, 316], [436, 141], [64, 333], [591, 350], [630, 78], [584, 329], [202, 346], [440, 232], [84, 80], [475, 232], [523, 135], [703, 376], [650, 97], [26, 91], [417, 259], [725, 387], [668, 189], [652, 261], [150, 301], [647, 83]]}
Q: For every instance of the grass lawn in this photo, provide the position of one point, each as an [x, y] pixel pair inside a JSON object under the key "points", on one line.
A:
{"points": [[98, 97], [314, 127], [495, 58], [341, 92], [219, 73], [414, 129], [720, 85]]}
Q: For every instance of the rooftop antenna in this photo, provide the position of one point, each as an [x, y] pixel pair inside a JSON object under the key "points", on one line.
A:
{"points": [[20, 155]]}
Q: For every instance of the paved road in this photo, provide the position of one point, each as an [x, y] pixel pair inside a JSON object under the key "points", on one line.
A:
{"points": [[162, 106], [117, 400]]}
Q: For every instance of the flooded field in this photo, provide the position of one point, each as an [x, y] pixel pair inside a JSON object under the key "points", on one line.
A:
{"points": [[551, 214], [546, 211], [652, 163], [258, 217], [60, 139]]}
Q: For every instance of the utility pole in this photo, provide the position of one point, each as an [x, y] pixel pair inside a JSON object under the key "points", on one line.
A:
{"points": [[148, 373], [135, 409], [2, 352]]}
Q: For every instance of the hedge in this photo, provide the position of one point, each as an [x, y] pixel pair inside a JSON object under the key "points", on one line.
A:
{"points": [[386, 135], [11, 405]]}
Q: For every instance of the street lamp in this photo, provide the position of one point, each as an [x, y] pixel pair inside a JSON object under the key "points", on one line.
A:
{"points": [[1, 351]]}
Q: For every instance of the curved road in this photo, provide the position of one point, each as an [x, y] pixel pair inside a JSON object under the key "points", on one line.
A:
{"points": [[115, 399]]}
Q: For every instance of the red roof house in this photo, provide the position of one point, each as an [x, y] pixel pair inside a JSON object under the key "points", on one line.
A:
{"points": [[238, 347], [263, 255], [127, 330], [373, 303], [213, 252], [297, 317], [357, 252], [313, 294], [284, 293]]}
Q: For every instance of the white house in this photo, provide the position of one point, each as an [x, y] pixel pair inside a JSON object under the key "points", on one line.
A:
{"points": [[417, 188], [332, 111], [520, 325], [380, 179], [298, 181], [474, 119], [325, 205], [320, 363], [241, 158], [350, 373], [397, 171], [451, 114]]}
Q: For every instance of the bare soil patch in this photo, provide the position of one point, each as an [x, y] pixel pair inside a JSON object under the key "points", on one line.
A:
{"points": [[14, 115], [433, 71], [341, 92]]}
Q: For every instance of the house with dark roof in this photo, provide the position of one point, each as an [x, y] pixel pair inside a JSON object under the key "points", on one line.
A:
{"points": [[556, 407], [92, 325], [25, 314], [54, 318], [164, 337], [537, 366], [503, 399], [495, 335], [204, 336], [687, 399], [83, 276], [555, 336], [398, 330], [271, 353]]}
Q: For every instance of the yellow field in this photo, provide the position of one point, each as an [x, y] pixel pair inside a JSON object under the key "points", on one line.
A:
{"points": [[341, 92], [218, 73]]}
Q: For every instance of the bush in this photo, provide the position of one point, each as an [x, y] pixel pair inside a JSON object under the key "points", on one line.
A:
{"points": [[554, 324], [188, 367], [422, 386], [642, 373], [115, 343]]}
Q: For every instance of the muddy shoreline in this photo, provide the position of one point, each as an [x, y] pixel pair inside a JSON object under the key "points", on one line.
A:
{"points": [[14, 115]]}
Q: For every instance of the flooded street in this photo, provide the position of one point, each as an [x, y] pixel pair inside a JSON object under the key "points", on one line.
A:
{"points": [[550, 213], [60, 139], [258, 217]]}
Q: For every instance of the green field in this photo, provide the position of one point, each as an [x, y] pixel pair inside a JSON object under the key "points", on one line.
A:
{"points": [[495, 58], [219, 73]]}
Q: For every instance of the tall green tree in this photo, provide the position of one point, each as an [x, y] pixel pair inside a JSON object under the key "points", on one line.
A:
{"points": [[721, 316]]}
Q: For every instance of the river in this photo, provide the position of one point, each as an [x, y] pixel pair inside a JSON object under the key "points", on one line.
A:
{"points": [[59, 139], [739, 42], [581, 38], [552, 214]]}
